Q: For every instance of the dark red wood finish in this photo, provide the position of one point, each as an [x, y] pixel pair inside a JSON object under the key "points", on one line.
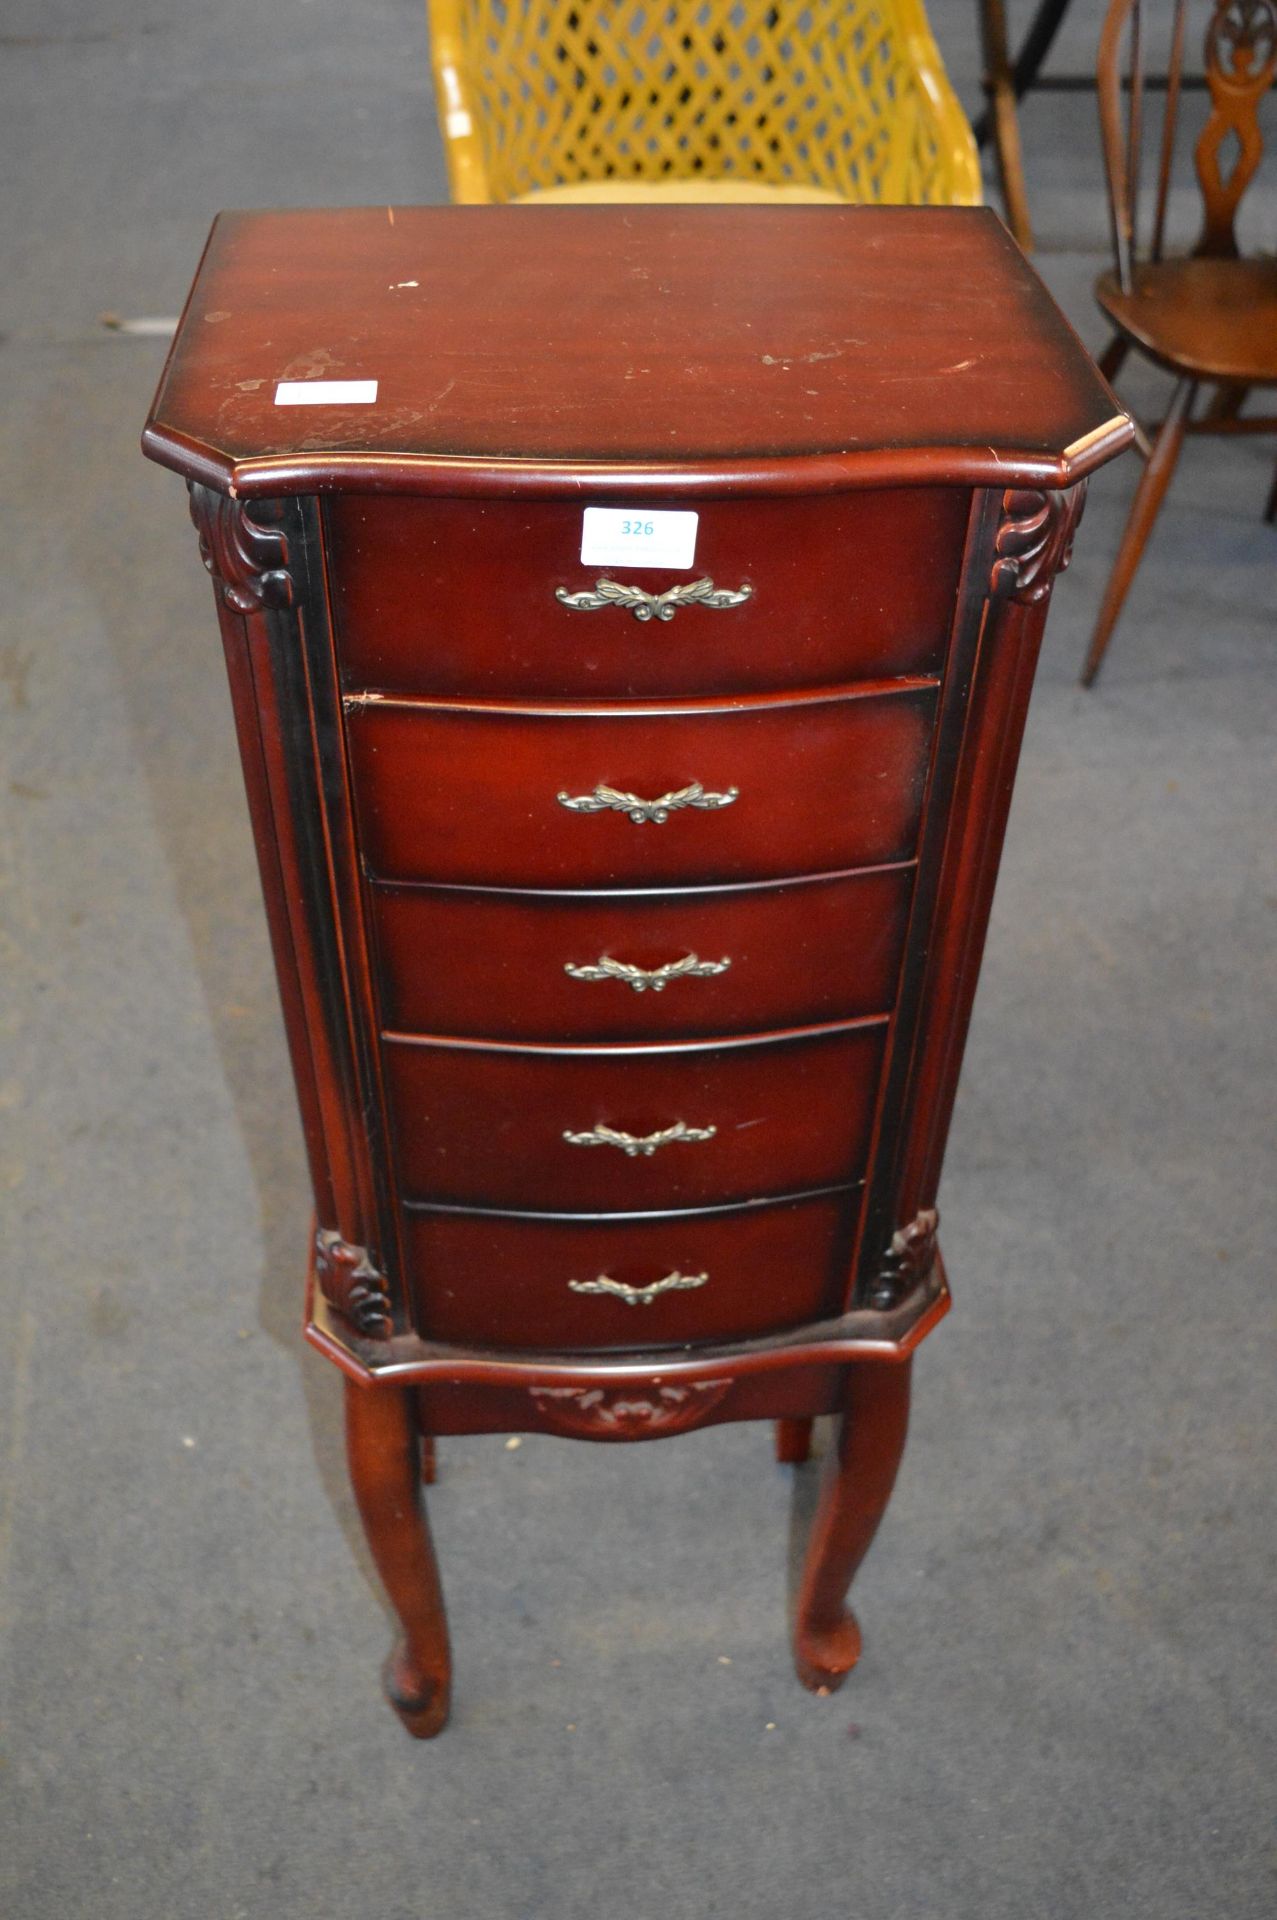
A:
{"points": [[486, 1126], [875, 414], [383, 1447], [859, 1475], [665, 349], [470, 794], [500, 1280], [802, 953], [829, 602], [653, 1408]]}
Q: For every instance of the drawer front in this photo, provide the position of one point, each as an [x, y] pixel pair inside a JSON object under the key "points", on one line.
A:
{"points": [[485, 1280], [649, 1128], [755, 790], [495, 965], [458, 596]]}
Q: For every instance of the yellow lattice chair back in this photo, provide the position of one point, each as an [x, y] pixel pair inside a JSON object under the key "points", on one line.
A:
{"points": [[697, 100]]}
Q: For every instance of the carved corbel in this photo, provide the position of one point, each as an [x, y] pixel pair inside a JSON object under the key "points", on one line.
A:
{"points": [[1034, 541], [907, 1261], [246, 554], [351, 1283]]}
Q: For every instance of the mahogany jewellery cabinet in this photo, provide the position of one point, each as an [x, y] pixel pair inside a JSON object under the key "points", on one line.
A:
{"points": [[630, 617]]}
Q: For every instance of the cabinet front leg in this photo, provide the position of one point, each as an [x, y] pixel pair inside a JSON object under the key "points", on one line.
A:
{"points": [[383, 1447], [859, 1475]]}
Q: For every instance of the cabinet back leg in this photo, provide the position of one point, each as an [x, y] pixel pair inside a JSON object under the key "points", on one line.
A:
{"points": [[859, 1474], [793, 1442], [383, 1446]]}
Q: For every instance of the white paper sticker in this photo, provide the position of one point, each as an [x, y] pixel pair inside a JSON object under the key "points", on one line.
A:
{"points": [[325, 393], [637, 537]]}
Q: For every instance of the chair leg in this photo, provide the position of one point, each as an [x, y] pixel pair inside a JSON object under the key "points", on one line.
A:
{"points": [[1111, 360], [1226, 404], [382, 1445], [1270, 511], [859, 1475], [999, 85], [793, 1442], [1148, 498], [429, 1460]]}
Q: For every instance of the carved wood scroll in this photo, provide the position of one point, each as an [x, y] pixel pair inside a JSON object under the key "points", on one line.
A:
{"points": [[907, 1261], [246, 554], [1034, 541], [349, 1282], [626, 1413]]}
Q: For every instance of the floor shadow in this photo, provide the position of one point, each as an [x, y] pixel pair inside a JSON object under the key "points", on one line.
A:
{"points": [[129, 539]]}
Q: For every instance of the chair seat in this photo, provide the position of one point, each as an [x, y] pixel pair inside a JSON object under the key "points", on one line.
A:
{"points": [[678, 192], [1213, 319]]}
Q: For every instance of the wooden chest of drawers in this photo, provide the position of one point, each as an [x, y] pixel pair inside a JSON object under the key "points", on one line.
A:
{"points": [[627, 917]]}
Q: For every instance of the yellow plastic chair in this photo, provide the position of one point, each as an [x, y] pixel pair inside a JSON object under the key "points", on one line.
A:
{"points": [[573, 100]]}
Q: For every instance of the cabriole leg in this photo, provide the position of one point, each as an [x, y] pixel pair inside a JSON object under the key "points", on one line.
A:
{"points": [[383, 1448], [859, 1475]]}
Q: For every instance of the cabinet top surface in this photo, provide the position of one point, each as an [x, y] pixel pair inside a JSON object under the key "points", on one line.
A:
{"points": [[740, 348]]}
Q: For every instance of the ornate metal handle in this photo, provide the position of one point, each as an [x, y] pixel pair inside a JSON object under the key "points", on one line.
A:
{"points": [[611, 800], [640, 1296], [690, 967], [654, 606], [634, 1144]]}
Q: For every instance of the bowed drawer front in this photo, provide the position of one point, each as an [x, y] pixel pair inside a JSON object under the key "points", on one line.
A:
{"points": [[628, 1280], [640, 964], [475, 597], [640, 795], [634, 1127]]}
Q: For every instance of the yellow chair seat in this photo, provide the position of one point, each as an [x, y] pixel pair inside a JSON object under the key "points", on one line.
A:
{"points": [[678, 193]]}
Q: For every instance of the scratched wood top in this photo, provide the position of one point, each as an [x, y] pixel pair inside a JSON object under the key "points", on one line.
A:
{"points": [[515, 348]]}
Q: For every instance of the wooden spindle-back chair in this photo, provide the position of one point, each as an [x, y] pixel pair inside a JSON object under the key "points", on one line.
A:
{"points": [[698, 99], [1210, 317]]}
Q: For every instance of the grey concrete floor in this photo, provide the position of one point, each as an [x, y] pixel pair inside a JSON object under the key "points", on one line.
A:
{"points": [[1066, 1701]]}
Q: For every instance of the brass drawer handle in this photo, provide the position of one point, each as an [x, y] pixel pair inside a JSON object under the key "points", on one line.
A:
{"points": [[634, 1144], [640, 1296], [690, 967], [611, 800], [653, 606]]}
